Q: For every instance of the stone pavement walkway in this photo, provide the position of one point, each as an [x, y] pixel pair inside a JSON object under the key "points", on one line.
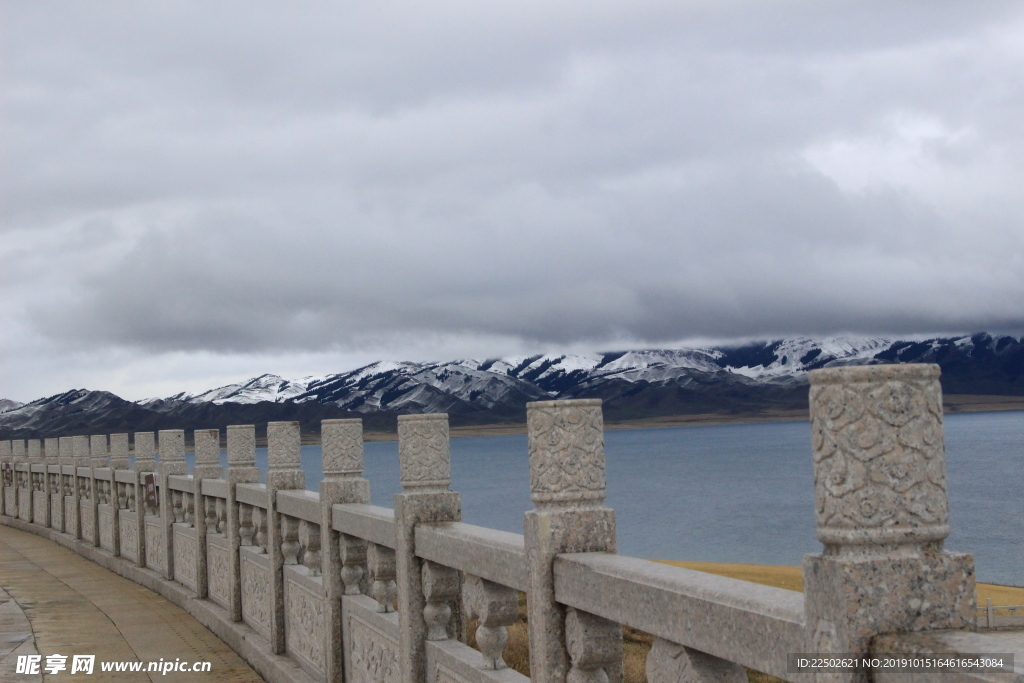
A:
{"points": [[56, 602]]}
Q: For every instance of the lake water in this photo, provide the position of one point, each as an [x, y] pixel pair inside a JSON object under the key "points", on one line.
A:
{"points": [[731, 493]]}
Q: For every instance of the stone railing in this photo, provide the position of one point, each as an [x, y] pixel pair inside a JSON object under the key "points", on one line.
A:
{"points": [[327, 587]]}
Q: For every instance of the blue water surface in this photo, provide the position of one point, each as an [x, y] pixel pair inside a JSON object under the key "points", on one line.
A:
{"points": [[729, 493]]}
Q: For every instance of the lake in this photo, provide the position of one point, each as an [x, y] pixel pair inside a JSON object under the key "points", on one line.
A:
{"points": [[730, 493]]}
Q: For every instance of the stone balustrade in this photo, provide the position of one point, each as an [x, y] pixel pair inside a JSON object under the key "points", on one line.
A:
{"points": [[327, 587]]}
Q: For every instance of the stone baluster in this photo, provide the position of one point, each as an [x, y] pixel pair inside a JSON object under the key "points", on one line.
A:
{"points": [[220, 514], [309, 539], [289, 540], [240, 531], [567, 484], [172, 462], [383, 588], [594, 645], [207, 449], [51, 448], [881, 511], [441, 588], [496, 607], [425, 470], [284, 473], [259, 521], [119, 460], [80, 459], [343, 483], [246, 531], [354, 574]]}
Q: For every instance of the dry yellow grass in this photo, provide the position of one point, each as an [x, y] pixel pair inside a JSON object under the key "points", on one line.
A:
{"points": [[636, 644]]}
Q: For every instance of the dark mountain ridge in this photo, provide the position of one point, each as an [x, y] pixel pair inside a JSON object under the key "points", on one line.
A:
{"points": [[742, 380]]}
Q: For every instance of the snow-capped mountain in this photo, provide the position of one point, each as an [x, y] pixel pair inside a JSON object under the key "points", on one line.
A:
{"points": [[740, 378], [8, 404]]}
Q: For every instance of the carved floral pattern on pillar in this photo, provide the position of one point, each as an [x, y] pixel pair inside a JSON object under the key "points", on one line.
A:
{"points": [[283, 446], [342, 447], [423, 452], [566, 442], [879, 472]]}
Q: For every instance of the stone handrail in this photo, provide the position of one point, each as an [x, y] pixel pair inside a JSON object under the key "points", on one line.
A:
{"points": [[324, 586]]}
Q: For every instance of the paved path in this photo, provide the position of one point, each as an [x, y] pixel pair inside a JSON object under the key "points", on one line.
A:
{"points": [[56, 602]]}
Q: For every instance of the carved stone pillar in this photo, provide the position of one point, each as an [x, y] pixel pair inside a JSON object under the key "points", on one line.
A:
{"points": [[37, 483], [567, 484], [284, 460], [425, 468], [881, 511], [207, 445], [241, 470], [52, 483], [80, 458], [343, 483], [172, 461], [5, 461], [66, 459], [19, 457], [145, 463], [98, 458], [118, 461]]}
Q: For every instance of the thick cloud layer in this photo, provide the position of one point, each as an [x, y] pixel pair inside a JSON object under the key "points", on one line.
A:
{"points": [[198, 192]]}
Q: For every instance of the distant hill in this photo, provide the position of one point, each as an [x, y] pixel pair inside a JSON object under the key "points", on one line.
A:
{"points": [[743, 380]]}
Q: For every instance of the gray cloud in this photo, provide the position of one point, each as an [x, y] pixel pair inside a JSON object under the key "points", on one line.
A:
{"points": [[253, 179]]}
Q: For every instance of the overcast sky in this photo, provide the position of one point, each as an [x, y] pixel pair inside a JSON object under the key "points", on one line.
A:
{"points": [[196, 193]]}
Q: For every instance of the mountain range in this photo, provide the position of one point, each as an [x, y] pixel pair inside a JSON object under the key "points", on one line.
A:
{"points": [[749, 379]]}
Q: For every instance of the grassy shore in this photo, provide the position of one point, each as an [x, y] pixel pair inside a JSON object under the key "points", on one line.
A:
{"points": [[791, 578]]}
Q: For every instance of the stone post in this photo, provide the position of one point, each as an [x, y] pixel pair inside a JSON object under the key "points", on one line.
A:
{"points": [[19, 458], [65, 457], [98, 458], [5, 460], [342, 452], [118, 461], [35, 457], [284, 472], [881, 511], [241, 470], [207, 444], [567, 484], [145, 462], [50, 450], [172, 461], [425, 468], [80, 458], [34, 451]]}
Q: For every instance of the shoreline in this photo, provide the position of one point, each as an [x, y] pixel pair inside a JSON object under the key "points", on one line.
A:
{"points": [[953, 404]]}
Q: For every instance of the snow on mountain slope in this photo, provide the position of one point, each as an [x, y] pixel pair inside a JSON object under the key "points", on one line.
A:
{"points": [[798, 356], [8, 404]]}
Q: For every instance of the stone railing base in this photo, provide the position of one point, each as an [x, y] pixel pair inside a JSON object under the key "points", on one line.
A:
{"points": [[254, 649]]}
